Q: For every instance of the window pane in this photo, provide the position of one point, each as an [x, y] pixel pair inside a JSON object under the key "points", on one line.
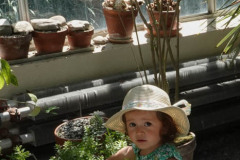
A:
{"points": [[223, 3], [90, 10], [191, 7], [9, 10]]}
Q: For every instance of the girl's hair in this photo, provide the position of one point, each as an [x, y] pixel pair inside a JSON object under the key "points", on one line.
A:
{"points": [[169, 129]]}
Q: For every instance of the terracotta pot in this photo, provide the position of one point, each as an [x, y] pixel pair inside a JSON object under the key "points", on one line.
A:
{"points": [[80, 39], [169, 18], [187, 149], [14, 47], [119, 25], [49, 42], [60, 140]]}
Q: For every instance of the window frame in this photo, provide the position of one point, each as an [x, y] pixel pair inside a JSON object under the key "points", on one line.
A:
{"points": [[24, 11]]}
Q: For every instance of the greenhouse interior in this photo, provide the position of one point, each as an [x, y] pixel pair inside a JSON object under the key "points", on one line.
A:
{"points": [[68, 65]]}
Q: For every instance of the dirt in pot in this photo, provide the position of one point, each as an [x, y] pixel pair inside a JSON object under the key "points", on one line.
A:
{"points": [[75, 129]]}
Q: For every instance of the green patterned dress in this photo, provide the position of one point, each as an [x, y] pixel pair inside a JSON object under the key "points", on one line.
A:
{"points": [[163, 152]]}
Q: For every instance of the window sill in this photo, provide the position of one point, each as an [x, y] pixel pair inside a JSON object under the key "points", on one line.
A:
{"points": [[196, 41]]}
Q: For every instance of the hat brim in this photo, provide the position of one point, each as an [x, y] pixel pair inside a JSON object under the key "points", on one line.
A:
{"points": [[177, 114]]}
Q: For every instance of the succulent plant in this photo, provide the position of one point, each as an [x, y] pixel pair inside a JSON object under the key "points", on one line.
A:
{"points": [[167, 5], [122, 4]]}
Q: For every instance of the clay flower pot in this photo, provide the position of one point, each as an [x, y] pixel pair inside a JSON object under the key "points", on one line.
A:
{"points": [[170, 20], [119, 24], [15, 46], [187, 149], [167, 16], [49, 41], [80, 39], [75, 136], [73, 130]]}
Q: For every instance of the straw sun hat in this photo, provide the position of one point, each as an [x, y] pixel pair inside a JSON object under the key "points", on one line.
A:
{"points": [[149, 98]]}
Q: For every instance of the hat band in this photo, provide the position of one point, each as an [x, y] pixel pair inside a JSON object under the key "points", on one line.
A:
{"points": [[150, 105]]}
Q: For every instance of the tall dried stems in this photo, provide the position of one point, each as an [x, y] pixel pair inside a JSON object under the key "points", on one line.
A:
{"points": [[161, 49]]}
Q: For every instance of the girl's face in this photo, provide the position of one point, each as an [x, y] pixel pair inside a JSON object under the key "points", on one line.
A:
{"points": [[143, 128]]}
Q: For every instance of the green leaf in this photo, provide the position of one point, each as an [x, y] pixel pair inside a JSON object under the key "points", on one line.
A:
{"points": [[35, 111], [231, 43], [6, 71], [6, 74], [2, 82], [233, 15], [33, 97], [51, 109], [233, 31], [14, 80]]}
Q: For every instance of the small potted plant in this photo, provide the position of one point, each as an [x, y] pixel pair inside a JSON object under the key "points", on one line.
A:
{"points": [[49, 34], [120, 16], [73, 130], [15, 39], [162, 15], [96, 142], [79, 34]]}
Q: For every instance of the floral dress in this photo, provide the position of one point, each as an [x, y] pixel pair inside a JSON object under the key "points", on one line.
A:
{"points": [[163, 152]]}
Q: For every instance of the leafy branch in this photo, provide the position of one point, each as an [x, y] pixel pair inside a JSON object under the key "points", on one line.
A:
{"points": [[6, 75]]}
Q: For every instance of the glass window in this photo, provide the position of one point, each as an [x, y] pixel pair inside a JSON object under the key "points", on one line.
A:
{"points": [[222, 3], [9, 10], [193, 7], [90, 10]]}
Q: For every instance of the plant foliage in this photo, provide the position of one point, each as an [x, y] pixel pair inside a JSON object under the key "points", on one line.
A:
{"points": [[19, 154], [95, 145], [9, 10], [233, 11], [6, 75], [160, 45]]}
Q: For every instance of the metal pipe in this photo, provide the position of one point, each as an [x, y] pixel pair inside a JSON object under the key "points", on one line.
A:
{"points": [[107, 80], [4, 117], [5, 143], [23, 111], [27, 138], [14, 131]]}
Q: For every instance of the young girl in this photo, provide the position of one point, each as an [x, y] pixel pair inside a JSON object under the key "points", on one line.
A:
{"points": [[152, 124]]}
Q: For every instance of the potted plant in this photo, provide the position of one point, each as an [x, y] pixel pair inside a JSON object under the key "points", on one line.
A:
{"points": [[79, 34], [96, 142], [186, 145], [49, 34], [120, 16], [162, 16], [14, 39], [74, 130]]}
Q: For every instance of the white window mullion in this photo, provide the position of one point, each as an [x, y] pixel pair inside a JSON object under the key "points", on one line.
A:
{"points": [[211, 6], [23, 10]]}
